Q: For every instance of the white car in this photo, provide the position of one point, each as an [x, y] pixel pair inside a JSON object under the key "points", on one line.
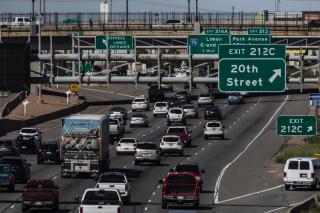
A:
{"points": [[160, 108], [35, 132], [213, 129], [171, 144], [115, 180], [100, 201], [204, 99], [301, 172], [116, 129], [176, 115], [140, 103], [126, 145]]}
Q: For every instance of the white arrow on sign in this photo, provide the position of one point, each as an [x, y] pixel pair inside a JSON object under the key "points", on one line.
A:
{"points": [[309, 129], [105, 42], [277, 73]]}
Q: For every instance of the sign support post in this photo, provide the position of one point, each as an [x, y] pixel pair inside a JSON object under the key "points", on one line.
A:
{"points": [[285, 148], [190, 68], [301, 70]]}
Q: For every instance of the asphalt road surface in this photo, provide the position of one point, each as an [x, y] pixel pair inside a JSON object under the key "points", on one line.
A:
{"points": [[237, 177]]}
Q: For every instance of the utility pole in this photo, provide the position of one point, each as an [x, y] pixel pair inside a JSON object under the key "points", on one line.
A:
{"points": [[189, 18], [127, 13], [197, 17], [32, 10]]}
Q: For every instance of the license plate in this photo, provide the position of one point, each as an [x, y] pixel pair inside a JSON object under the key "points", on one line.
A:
{"points": [[303, 175], [81, 168], [23, 147], [38, 203], [170, 144], [180, 197], [147, 155]]}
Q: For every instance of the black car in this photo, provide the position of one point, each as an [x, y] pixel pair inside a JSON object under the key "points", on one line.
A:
{"points": [[8, 151], [48, 152], [155, 94], [27, 144], [7, 143], [212, 112], [183, 96], [21, 166]]}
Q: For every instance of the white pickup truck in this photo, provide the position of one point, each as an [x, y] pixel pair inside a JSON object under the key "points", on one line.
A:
{"points": [[100, 201], [17, 21]]}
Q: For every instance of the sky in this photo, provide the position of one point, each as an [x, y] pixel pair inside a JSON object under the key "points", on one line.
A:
{"points": [[160, 5]]}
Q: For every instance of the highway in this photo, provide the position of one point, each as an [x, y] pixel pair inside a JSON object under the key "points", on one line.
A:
{"points": [[247, 184]]}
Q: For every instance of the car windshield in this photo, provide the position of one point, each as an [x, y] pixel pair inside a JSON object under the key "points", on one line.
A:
{"points": [[146, 146], [204, 95], [25, 138], [161, 104], [170, 139], [40, 184], [139, 100], [213, 124], [187, 168], [176, 130], [180, 179], [32, 131], [100, 197], [127, 140], [176, 111], [112, 178], [4, 169], [138, 115], [12, 161]]}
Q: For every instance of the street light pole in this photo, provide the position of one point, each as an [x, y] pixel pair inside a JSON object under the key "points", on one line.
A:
{"points": [[197, 17], [127, 13], [189, 19], [32, 10]]}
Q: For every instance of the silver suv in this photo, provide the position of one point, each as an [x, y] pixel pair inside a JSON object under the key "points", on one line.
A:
{"points": [[176, 115], [147, 152]]}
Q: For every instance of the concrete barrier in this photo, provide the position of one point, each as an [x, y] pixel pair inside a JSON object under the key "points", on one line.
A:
{"points": [[12, 104], [306, 205]]}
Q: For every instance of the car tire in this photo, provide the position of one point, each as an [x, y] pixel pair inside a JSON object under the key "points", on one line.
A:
{"points": [[154, 115], [164, 204], [286, 187], [24, 208], [181, 153], [206, 137], [222, 137], [56, 207], [196, 205], [158, 162]]}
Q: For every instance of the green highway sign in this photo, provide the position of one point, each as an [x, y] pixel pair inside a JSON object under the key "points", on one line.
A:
{"points": [[252, 51], [206, 44], [252, 75], [114, 42], [291, 125], [250, 39], [85, 67], [217, 31], [259, 31]]}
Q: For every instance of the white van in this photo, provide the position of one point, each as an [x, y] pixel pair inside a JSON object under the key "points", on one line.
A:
{"points": [[301, 171]]}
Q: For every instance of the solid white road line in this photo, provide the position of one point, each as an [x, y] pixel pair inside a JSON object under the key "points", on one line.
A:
{"points": [[110, 92], [217, 186], [254, 193]]}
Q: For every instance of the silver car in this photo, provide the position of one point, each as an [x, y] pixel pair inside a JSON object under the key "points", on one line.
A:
{"points": [[190, 111], [147, 152], [139, 119]]}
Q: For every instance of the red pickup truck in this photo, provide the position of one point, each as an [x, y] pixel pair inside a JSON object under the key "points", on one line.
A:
{"points": [[180, 188], [40, 193]]}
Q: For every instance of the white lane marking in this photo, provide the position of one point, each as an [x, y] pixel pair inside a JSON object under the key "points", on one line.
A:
{"points": [[132, 162], [153, 193], [200, 122], [247, 111], [151, 130], [149, 201], [158, 127], [143, 135], [238, 118], [196, 153], [277, 209], [225, 130], [217, 186], [105, 91], [272, 171], [55, 177], [234, 123], [124, 166], [158, 186], [188, 158], [209, 143], [254, 193], [202, 148], [146, 208], [12, 206]]}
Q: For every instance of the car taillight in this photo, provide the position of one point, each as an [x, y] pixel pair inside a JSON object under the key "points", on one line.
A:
{"points": [[10, 177], [81, 209], [285, 174]]}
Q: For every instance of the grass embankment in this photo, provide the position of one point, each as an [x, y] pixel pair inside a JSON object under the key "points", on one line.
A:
{"points": [[306, 149]]}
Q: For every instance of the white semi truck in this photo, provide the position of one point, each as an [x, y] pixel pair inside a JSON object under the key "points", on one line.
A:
{"points": [[84, 145]]}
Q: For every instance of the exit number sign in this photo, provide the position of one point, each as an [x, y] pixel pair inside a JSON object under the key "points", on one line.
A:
{"points": [[291, 125]]}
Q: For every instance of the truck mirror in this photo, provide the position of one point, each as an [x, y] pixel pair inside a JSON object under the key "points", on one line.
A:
{"points": [[161, 181], [171, 170]]}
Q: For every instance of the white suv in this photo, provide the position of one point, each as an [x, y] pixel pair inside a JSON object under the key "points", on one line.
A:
{"points": [[140, 103], [205, 99], [176, 115], [160, 108], [171, 144], [213, 129]]}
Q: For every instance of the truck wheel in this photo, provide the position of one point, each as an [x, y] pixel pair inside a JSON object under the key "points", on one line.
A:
{"points": [[136, 163], [196, 205], [56, 206], [11, 188], [222, 137], [206, 137], [286, 187], [164, 204], [181, 153]]}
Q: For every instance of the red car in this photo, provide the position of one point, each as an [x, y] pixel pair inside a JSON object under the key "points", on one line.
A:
{"points": [[180, 188], [40, 193]]}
